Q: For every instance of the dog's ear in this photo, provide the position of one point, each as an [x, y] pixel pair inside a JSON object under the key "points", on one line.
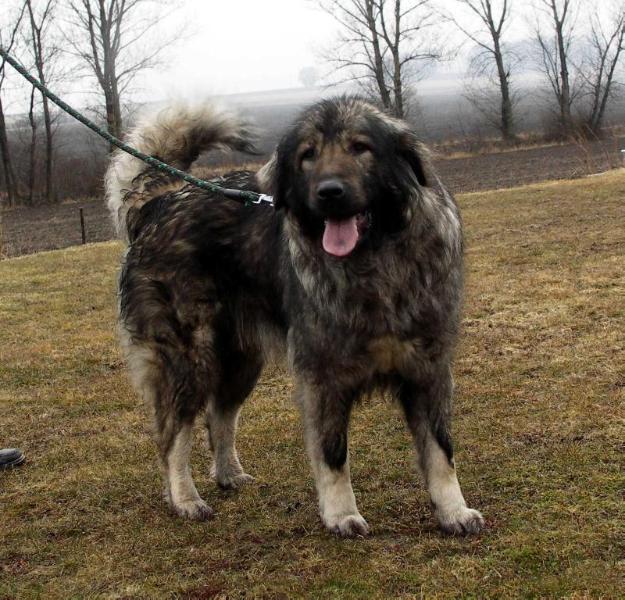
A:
{"points": [[266, 175], [270, 181], [416, 154], [274, 179]]}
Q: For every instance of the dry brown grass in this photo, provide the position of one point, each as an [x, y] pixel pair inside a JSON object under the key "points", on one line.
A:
{"points": [[465, 148], [540, 425]]}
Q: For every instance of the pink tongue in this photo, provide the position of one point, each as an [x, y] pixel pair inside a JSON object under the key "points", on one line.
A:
{"points": [[340, 237]]}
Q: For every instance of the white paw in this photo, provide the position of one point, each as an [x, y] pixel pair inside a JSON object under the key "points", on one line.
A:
{"points": [[233, 481], [196, 510], [230, 475], [347, 525], [461, 520]]}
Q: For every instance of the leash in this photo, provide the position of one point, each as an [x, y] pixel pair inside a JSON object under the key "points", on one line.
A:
{"points": [[245, 196]]}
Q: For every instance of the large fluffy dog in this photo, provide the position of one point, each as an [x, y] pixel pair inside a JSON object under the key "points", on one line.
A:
{"points": [[358, 270]]}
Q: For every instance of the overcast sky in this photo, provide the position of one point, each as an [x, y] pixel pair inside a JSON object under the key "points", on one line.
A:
{"points": [[233, 46], [249, 45], [224, 47], [245, 45]]}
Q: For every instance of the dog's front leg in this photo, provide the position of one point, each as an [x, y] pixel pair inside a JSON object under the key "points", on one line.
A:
{"points": [[427, 406], [326, 420]]}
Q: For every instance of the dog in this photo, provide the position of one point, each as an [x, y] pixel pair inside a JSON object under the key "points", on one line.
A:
{"points": [[357, 274]]}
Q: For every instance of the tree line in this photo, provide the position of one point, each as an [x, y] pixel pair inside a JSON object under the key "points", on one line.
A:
{"points": [[98, 41], [384, 47]]}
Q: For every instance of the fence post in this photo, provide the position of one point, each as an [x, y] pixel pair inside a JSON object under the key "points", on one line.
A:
{"points": [[82, 227]]}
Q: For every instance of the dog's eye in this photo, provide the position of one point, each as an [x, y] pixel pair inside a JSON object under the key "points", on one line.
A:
{"points": [[308, 154], [360, 147]]}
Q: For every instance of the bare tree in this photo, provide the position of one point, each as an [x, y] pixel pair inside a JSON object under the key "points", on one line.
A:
{"points": [[32, 155], [384, 45], [5, 151], [605, 47], [309, 76], [110, 40], [43, 55], [491, 58], [555, 54]]}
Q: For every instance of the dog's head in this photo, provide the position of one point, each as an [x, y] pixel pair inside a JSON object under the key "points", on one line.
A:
{"points": [[348, 175]]}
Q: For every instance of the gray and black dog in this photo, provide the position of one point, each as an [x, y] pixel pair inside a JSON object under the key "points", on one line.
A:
{"points": [[357, 273]]}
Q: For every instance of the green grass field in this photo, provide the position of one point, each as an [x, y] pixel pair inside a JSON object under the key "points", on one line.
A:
{"points": [[539, 430]]}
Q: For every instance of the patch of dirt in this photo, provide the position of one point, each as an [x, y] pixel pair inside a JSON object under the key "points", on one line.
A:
{"points": [[28, 230], [530, 165]]}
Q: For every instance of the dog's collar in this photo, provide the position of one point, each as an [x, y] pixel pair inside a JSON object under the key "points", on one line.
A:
{"points": [[247, 197]]}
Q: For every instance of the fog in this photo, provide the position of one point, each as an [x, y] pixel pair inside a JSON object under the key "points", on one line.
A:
{"points": [[237, 46]]}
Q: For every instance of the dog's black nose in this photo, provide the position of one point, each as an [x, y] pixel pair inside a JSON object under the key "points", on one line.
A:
{"points": [[330, 189]]}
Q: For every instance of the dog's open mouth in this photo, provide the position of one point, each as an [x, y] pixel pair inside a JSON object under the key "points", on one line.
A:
{"points": [[340, 237]]}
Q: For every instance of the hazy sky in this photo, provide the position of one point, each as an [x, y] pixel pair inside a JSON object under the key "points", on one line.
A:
{"points": [[244, 45], [233, 46], [249, 45]]}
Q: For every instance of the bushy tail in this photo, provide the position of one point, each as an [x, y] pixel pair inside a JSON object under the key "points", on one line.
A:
{"points": [[176, 135]]}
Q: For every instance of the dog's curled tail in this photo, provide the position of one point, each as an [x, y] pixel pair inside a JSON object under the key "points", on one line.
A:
{"points": [[176, 135]]}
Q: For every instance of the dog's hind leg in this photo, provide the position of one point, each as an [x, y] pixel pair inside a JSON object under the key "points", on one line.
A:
{"points": [[184, 497], [171, 394], [326, 421], [238, 378], [427, 407]]}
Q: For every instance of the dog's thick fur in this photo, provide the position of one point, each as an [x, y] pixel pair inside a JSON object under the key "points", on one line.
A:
{"points": [[209, 287]]}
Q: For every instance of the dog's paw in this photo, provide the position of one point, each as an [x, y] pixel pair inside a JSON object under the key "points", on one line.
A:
{"points": [[461, 521], [347, 526], [230, 476], [234, 481], [196, 510]]}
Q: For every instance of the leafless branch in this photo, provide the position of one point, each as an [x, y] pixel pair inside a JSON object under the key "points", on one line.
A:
{"points": [[115, 41], [384, 45], [492, 56]]}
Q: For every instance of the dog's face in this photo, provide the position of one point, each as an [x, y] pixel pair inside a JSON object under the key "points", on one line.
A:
{"points": [[348, 174]]}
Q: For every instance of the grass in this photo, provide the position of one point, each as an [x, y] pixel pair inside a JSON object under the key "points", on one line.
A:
{"points": [[540, 430]]}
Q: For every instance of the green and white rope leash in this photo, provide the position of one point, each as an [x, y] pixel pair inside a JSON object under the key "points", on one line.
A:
{"points": [[245, 196]]}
